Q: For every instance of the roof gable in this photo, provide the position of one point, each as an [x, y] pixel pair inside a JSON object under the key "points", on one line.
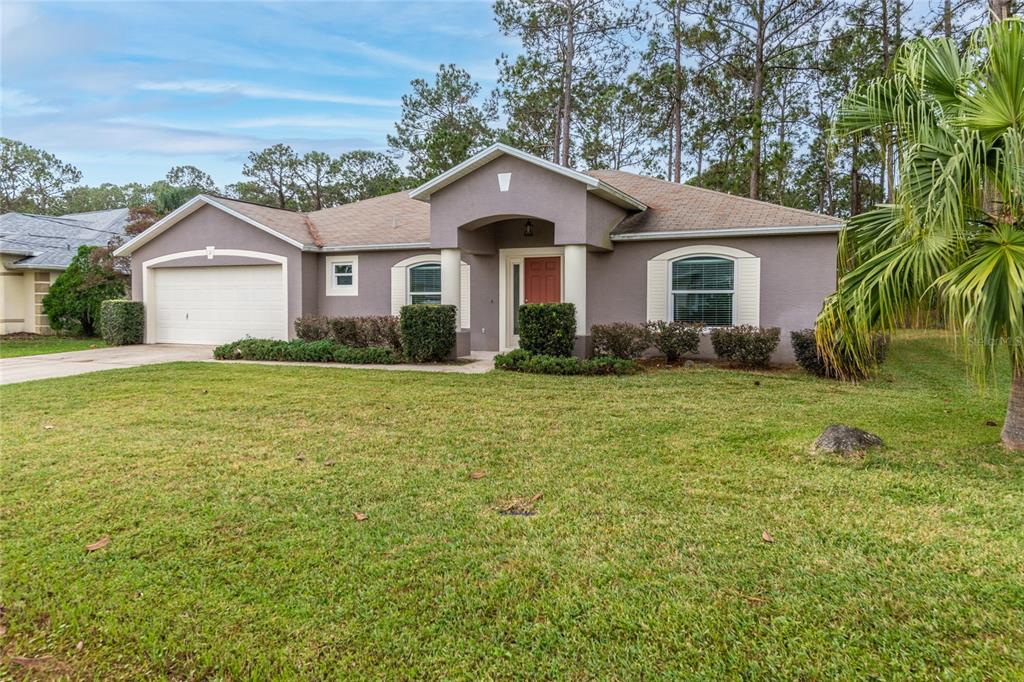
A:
{"points": [[593, 184], [288, 226]]}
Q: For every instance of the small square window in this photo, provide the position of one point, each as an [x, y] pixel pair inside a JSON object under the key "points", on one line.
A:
{"points": [[343, 274]]}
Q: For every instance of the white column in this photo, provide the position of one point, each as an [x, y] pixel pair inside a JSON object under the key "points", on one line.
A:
{"points": [[575, 290], [451, 280]]}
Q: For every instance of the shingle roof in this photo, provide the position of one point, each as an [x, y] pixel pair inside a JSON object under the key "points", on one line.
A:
{"points": [[399, 219], [50, 242], [678, 208], [389, 219], [291, 224]]}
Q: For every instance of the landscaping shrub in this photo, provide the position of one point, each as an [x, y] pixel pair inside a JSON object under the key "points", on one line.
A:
{"points": [[312, 328], [745, 345], [73, 302], [622, 340], [675, 339], [427, 332], [300, 350], [520, 360], [371, 355], [805, 348], [122, 322], [548, 328]]}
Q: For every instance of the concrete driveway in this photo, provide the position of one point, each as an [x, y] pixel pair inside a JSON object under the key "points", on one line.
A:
{"points": [[31, 367]]}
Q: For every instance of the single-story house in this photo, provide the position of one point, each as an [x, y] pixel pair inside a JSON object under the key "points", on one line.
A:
{"points": [[500, 229], [34, 249]]}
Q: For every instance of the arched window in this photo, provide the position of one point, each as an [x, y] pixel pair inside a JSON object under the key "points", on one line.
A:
{"points": [[425, 283], [702, 290]]}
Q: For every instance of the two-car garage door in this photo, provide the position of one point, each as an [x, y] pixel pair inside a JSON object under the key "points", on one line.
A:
{"points": [[215, 305]]}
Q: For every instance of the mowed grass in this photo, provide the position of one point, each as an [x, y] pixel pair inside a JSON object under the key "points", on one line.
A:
{"points": [[15, 348], [228, 492]]}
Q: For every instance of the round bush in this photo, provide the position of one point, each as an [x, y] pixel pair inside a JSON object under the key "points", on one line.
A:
{"points": [[122, 322]]}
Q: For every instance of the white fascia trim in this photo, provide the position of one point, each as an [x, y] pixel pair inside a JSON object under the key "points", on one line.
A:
{"points": [[369, 247], [497, 149], [616, 195], [728, 232], [184, 211]]}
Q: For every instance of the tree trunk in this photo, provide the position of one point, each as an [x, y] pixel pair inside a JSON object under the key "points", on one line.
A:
{"points": [[677, 92], [1000, 9], [756, 96], [855, 177], [1013, 427], [570, 48], [947, 19]]}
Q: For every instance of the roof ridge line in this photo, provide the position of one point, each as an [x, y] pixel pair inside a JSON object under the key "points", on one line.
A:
{"points": [[313, 231]]}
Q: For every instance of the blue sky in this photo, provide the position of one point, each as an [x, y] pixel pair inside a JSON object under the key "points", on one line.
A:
{"points": [[125, 90]]}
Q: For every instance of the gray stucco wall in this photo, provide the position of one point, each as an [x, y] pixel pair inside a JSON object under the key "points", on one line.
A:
{"points": [[209, 226], [797, 273], [533, 191]]}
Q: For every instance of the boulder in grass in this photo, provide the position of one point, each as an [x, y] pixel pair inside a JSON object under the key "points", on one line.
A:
{"points": [[844, 440]]}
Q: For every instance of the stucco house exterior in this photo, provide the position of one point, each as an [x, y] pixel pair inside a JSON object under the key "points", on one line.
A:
{"points": [[501, 229], [35, 249]]}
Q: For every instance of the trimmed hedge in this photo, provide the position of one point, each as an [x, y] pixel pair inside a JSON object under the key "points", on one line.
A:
{"points": [[675, 339], [746, 345], [355, 332], [122, 322], [520, 360], [427, 332], [548, 328], [299, 350], [622, 340], [805, 348]]}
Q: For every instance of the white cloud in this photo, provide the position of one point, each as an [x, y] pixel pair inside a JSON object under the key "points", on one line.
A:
{"points": [[19, 103], [331, 122], [214, 87]]}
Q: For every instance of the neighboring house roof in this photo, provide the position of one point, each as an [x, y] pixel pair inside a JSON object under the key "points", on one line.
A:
{"points": [[676, 208], [50, 242], [593, 183]]}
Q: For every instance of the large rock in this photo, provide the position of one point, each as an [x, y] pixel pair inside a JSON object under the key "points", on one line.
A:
{"points": [[842, 439]]}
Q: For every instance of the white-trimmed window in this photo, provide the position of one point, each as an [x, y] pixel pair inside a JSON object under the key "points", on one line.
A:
{"points": [[703, 289], [424, 285], [343, 276]]}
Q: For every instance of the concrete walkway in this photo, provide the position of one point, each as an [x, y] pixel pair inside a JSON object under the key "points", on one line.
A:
{"points": [[31, 367]]}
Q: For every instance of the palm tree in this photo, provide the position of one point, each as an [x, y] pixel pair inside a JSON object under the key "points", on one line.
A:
{"points": [[952, 240]]}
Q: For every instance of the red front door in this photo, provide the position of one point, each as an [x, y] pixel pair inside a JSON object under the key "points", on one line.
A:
{"points": [[542, 281]]}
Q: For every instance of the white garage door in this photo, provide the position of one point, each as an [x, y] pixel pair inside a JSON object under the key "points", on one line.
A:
{"points": [[219, 304]]}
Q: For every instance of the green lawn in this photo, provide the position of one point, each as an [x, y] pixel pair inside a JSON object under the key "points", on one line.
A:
{"points": [[228, 492], [16, 348]]}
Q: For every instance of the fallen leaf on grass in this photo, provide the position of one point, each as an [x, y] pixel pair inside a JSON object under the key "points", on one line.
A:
{"points": [[329, 463], [79, 646], [767, 537], [477, 475], [48, 427], [520, 506], [3, 630], [989, 422], [99, 544], [749, 598], [359, 516], [30, 661], [300, 457]]}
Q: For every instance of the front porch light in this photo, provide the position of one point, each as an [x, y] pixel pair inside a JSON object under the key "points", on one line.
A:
{"points": [[528, 229]]}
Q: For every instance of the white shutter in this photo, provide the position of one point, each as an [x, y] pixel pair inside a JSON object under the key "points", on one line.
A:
{"points": [[657, 290], [464, 300], [398, 294], [748, 291]]}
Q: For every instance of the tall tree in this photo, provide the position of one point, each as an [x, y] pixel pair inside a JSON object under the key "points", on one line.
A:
{"points": [[364, 174], [441, 125], [575, 39], [954, 236], [317, 177], [763, 34], [190, 177], [273, 173], [33, 180]]}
